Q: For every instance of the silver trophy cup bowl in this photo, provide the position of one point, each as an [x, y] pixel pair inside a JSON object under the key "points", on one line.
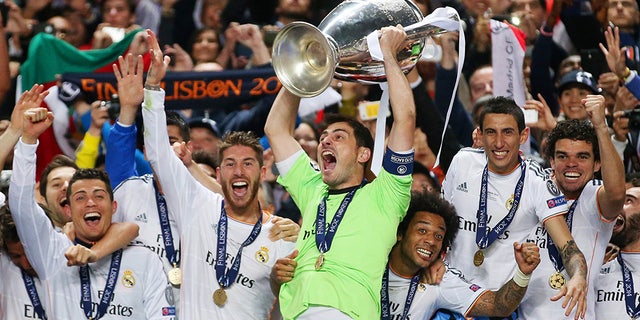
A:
{"points": [[306, 58]]}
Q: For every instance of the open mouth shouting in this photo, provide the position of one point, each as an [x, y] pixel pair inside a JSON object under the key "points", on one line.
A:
{"points": [[328, 160], [240, 188], [619, 225], [92, 219]]}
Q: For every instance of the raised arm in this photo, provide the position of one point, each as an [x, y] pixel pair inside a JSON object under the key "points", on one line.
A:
{"points": [[392, 39], [121, 145], [118, 236], [30, 99], [43, 245], [611, 196], [575, 290], [504, 301], [280, 124]]}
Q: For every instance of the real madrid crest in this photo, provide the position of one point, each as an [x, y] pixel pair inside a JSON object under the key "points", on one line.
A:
{"points": [[262, 255], [128, 280], [509, 202], [552, 188]]}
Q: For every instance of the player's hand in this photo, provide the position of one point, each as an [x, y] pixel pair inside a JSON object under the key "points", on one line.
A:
{"points": [[284, 228], [35, 122], [284, 268], [130, 91], [159, 61], [29, 99], [79, 255], [434, 273], [182, 151], [575, 296], [594, 105], [527, 256]]}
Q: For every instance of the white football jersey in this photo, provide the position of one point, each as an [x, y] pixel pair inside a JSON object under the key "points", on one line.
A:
{"points": [[197, 211], [540, 200], [609, 287], [591, 233]]}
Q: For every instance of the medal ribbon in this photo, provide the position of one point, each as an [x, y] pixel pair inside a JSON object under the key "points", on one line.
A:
{"points": [[324, 240], [85, 287], [384, 296], [554, 255], [225, 279], [33, 295], [484, 236], [165, 227], [633, 310]]}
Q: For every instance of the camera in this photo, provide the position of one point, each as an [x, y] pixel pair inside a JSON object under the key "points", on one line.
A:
{"points": [[634, 118], [113, 106]]}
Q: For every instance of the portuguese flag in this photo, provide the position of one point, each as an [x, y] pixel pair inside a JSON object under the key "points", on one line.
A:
{"points": [[48, 57]]}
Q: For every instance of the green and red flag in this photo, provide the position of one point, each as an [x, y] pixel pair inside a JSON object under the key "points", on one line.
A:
{"points": [[49, 57]]}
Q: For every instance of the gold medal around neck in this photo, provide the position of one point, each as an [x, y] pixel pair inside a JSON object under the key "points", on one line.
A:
{"points": [[175, 275], [219, 297], [478, 258], [320, 261], [556, 280]]}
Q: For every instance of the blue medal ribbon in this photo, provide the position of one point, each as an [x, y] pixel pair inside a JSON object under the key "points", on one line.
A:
{"points": [[324, 240], [85, 287], [225, 279], [165, 227], [633, 310], [384, 296], [30, 285], [484, 236], [554, 255]]}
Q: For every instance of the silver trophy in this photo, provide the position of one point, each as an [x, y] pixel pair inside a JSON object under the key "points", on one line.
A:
{"points": [[306, 58]]}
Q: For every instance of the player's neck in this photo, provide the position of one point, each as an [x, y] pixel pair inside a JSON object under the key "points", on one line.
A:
{"points": [[398, 265], [354, 181], [632, 247], [248, 214]]}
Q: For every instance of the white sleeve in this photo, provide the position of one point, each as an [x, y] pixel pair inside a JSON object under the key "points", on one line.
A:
{"points": [[180, 189], [456, 293], [43, 246], [285, 165]]}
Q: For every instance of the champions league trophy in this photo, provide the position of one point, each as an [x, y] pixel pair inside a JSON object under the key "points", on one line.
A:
{"points": [[306, 58]]}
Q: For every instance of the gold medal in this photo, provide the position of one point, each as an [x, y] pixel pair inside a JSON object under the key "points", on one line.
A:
{"points": [[175, 275], [478, 258], [320, 261], [556, 281], [219, 297]]}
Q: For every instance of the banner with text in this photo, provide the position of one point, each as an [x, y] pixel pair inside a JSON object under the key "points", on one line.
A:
{"points": [[191, 90]]}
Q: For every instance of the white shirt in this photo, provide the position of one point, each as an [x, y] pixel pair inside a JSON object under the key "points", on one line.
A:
{"points": [[14, 300], [540, 200], [591, 233], [197, 212], [136, 199], [141, 290], [609, 287], [454, 293]]}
